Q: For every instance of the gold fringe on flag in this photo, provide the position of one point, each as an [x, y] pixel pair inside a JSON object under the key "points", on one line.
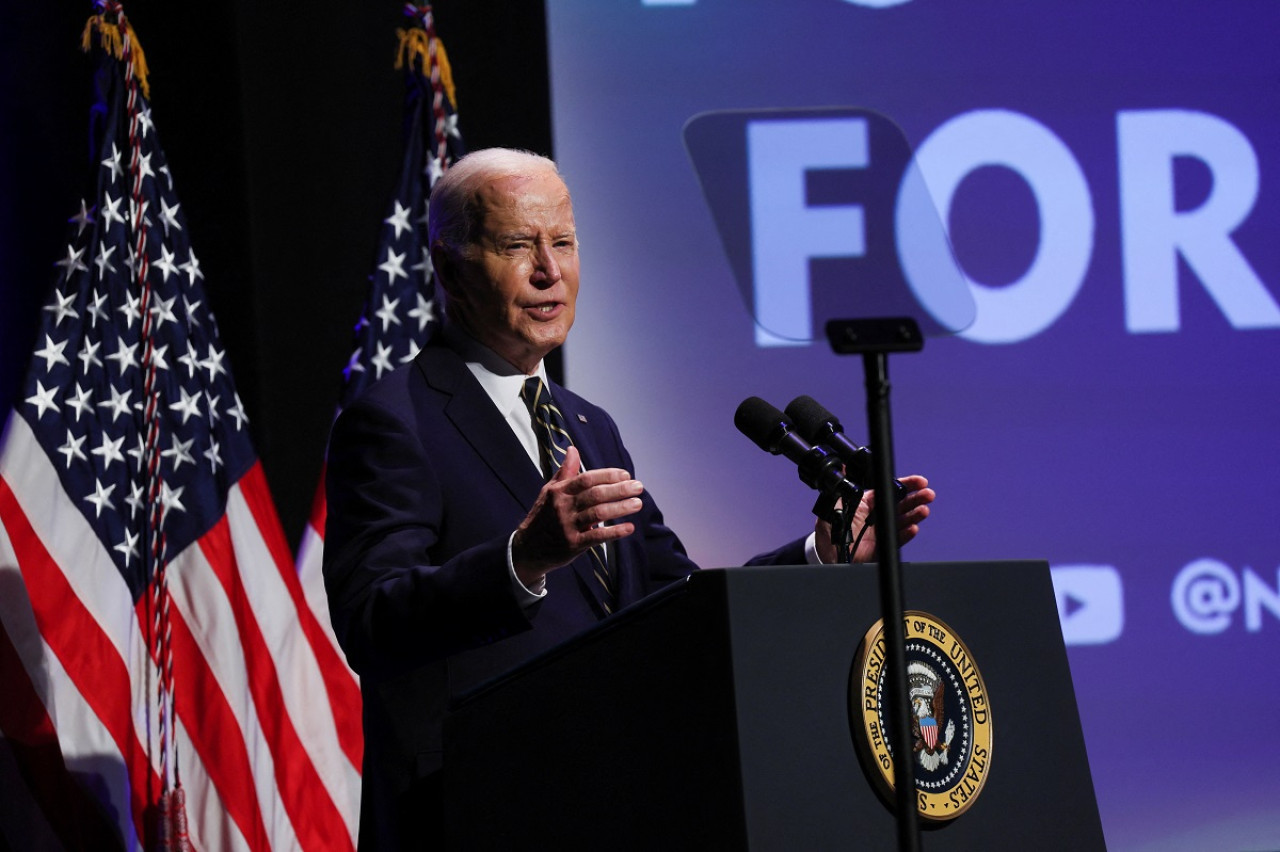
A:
{"points": [[111, 37], [414, 42]]}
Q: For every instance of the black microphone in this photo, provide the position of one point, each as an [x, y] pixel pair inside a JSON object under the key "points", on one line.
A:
{"points": [[772, 432], [821, 427]]}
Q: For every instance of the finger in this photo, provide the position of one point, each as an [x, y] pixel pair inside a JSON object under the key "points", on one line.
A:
{"points": [[917, 489], [915, 516], [600, 513], [910, 504], [909, 523], [915, 482], [570, 467], [600, 535], [589, 479], [918, 500], [602, 503], [608, 492]]}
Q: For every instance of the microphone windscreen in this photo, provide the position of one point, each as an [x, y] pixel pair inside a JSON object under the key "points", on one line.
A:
{"points": [[810, 418], [760, 422]]}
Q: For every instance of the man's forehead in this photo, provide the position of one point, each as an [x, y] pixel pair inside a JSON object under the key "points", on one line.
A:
{"points": [[512, 200], [545, 189]]}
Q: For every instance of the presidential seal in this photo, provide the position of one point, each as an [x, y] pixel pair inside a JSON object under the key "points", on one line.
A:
{"points": [[950, 716]]}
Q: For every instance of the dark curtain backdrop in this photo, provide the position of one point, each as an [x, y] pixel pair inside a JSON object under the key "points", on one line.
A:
{"points": [[282, 125]]}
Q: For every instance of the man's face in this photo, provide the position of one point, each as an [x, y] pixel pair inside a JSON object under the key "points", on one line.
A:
{"points": [[516, 285]]}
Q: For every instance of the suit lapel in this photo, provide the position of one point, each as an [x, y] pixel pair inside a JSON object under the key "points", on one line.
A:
{"points": [[580, 429], [479, 423]]}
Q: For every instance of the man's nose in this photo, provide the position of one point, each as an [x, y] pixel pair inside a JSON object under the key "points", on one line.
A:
{"points": [[546, 271]]}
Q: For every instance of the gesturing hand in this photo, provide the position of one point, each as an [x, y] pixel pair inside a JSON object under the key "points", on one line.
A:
{"points": [[569, 517], [912, 511]]}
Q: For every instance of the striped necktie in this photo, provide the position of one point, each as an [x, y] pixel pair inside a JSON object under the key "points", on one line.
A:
{"points": [[553, 443]]}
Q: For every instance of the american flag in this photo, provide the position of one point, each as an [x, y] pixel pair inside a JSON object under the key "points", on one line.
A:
{"points": [[400, 312], [155, 640]]}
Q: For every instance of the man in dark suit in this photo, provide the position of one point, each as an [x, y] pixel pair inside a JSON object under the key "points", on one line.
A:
{"points": [[459, 543]]}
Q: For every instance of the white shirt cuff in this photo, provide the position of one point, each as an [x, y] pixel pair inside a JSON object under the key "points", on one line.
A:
{"points": [[811, 550], [524, 595]]}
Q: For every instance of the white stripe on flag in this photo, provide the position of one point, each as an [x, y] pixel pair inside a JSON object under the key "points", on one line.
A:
{"points": [[310, 567]]}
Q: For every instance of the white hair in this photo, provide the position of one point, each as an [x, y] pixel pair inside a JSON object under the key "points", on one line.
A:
{"points": [[455, 210]]}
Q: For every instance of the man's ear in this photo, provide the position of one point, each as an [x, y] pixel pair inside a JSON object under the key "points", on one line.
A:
{"points": [[446, 269]]}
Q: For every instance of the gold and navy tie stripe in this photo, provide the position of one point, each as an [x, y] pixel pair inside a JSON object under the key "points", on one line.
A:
{"points": [[553, 443]]}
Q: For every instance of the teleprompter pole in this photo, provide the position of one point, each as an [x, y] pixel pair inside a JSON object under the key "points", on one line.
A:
{"points": [[874, 339]]}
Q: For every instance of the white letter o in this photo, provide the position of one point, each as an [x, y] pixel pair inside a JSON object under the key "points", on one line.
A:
{"points": [[971, 140]]}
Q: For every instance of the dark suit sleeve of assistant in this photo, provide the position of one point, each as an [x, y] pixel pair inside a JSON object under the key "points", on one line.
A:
{"points": [[791, 553], [392, 607]]}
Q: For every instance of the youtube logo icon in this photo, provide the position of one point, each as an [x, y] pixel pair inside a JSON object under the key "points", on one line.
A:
{"points": [[1090, 603]]}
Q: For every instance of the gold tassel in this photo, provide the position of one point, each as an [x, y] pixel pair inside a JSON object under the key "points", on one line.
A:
{"points": [[446, 73], [414, 43], [112, 41]]}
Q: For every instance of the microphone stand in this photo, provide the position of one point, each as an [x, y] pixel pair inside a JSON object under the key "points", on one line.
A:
{"points": [[874, 339], [848, 495]]}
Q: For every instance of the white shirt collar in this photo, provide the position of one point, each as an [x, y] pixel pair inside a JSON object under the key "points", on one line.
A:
{"points": [[502, 382]]}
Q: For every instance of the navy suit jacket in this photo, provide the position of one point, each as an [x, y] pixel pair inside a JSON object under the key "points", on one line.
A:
{"points": [[425, 484]]}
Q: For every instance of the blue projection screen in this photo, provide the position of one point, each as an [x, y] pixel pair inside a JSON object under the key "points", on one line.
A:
{"points": [[1109, 176]]}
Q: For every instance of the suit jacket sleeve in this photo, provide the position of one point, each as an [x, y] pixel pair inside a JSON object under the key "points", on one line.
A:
{"points": [[393, 606], [791, 553]]}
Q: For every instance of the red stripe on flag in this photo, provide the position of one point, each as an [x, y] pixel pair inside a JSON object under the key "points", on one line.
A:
{"points": [[72, 813], [88, 656], [316, 819], [343, 691], [215, 733]]}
